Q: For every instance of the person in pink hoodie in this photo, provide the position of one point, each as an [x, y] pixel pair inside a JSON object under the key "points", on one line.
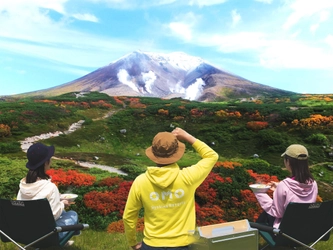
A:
{"points": [[299, 187]]}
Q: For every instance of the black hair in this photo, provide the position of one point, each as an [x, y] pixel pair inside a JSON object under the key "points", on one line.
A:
{"points": [[39, 172], [162, 165], [299, 169]]}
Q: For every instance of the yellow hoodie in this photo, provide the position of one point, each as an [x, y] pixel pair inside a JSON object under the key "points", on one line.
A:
{"points": [[167, 196]]}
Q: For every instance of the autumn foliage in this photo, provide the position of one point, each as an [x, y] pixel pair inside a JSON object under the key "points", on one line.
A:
{"points": [[220, 198], [109, 201], [70, 178], [4, 130]]}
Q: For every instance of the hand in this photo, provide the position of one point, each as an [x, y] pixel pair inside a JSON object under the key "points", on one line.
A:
{"points": [[67, 203], [273, 185], [181, 134], [137, 246]]}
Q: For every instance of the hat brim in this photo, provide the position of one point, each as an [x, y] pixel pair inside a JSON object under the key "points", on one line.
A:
{"points": [[166, 160], [50, 153]]}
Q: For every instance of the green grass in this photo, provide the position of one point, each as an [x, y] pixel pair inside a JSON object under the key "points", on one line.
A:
{"points": [[93, 240], [88, 240]]}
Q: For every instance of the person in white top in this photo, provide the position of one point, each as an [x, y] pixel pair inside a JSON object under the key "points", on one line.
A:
{"points": [[37, 185]]}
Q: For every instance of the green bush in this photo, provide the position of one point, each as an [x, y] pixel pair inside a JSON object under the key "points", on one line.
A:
{"points": [[10, 147], [12, 171], [319, 139], [263, 167]]}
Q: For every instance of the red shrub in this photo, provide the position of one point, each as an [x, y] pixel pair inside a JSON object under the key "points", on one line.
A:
{"points": [[70, 177]]}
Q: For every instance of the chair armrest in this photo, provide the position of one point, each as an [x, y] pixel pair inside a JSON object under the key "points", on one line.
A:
{"points": [[75, 227], [265, 228]]}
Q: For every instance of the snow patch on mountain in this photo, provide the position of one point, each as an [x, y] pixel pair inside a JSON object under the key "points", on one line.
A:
{"points": [[177, 60]]}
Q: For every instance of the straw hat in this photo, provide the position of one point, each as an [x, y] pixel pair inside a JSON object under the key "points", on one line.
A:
{"points": [[165, 149]]}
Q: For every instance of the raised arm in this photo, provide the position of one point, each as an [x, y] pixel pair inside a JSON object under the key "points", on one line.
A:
{"points": [[182, 135]]}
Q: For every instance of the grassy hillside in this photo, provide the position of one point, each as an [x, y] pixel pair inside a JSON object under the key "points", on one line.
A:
{"points": [[237, 130]]}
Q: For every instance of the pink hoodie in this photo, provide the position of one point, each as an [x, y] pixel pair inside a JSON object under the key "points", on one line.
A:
{"points": [[287, 191]]}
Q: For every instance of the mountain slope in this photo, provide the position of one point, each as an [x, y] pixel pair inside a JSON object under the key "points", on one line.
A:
{"points": [[163, 75]]}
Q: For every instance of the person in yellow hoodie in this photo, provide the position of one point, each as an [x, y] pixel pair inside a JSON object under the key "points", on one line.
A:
{"points": [[166, 193]]}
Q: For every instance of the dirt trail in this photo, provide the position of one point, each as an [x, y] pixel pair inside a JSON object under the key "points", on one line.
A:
{"points": [[27, 142]]}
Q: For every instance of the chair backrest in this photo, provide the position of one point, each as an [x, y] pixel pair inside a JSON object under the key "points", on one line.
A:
{"points": [[26, 221], [306, 222]]}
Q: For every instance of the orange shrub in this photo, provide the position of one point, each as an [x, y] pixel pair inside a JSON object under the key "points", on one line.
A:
{"points": [[4, 130], [163, 112], [256, 125], [118, 226]]}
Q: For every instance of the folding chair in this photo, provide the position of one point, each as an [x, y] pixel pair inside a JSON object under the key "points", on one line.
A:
{"points": [[31, 223], [301, 225]]}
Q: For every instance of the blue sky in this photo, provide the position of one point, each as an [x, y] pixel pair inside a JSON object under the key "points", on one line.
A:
{"points": [[286, 44]]}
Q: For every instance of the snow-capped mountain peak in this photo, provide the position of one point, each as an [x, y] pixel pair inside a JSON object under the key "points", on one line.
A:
{"points": [[177, 60], [163, 75]]}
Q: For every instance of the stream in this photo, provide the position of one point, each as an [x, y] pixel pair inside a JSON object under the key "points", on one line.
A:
{"points": [[27, 142]]}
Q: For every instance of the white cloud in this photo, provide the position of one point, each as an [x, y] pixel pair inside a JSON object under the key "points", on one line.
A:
{"points": [[183, 25], [329, 40], [86, 17], [314, 27], [12, 5], [130, 4], [182, 30], [235, 42], [236, 17], [295, 54], [27, 29], [206, 3], [306, 8], [265, 1], [33, 23], [125, 78], [324, 15]]}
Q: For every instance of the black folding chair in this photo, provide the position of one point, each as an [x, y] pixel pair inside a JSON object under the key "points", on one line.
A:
{"points": [[303, 224], [31, 224]]}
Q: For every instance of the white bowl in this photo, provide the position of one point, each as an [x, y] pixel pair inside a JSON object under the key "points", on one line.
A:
{"points": [[69, 197], [260, 188]]}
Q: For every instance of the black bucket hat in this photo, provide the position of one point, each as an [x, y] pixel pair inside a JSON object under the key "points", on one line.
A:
{"points": [[38, 154]]}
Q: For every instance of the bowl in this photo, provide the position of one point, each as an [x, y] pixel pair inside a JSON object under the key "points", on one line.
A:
{"points": [[69, 197], [260, 188]]}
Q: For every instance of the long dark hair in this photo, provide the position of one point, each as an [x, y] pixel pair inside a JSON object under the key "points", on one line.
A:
{"points": [[299, 169], [39, 172]]}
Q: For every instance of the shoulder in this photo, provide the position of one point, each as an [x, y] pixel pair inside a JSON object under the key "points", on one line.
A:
{"points": [[48, 183]]}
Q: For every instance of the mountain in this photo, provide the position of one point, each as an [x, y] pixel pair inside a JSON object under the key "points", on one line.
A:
{"points": [[164, 75]]}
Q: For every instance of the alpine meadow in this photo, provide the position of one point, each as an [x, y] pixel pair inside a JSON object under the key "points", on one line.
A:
{"points": [[249, 134]]}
